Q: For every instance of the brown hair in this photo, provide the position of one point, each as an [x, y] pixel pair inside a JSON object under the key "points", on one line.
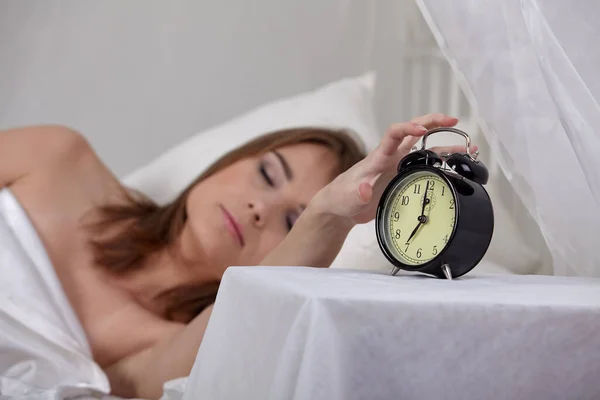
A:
{"points": [[141, 227]]}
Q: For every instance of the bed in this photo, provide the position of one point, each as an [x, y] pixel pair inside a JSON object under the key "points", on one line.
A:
{"points": [[214, 76]]}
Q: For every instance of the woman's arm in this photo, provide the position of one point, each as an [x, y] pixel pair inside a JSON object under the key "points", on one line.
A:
{"points": [[315, 240], [24, 151]]}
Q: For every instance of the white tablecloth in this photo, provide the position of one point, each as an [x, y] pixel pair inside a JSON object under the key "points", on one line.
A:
{"points": [[302, 333]]}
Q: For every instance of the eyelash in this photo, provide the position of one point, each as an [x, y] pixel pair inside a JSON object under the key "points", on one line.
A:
{"points": [[267, 178]]}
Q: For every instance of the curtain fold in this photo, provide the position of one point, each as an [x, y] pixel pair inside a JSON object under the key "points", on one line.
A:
{"points": [[530, 70]]}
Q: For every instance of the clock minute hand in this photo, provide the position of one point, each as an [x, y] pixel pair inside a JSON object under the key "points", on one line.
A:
{"points": [[421, 217], [425, 199]]}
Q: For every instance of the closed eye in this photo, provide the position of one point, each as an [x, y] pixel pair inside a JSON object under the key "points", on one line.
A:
{"points": [[265, 174]]}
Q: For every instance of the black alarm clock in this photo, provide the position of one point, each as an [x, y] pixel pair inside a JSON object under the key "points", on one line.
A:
{"points": [[435, 216]]}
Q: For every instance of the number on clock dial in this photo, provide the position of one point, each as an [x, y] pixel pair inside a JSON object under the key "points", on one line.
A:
{"points": [[432, 236]]}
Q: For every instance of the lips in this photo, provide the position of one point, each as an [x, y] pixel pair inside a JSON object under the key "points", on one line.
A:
{"points": [[233, 226]]}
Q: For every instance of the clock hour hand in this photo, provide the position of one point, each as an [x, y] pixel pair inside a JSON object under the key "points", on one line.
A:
{"points": [[422, 219], [414, 231]]}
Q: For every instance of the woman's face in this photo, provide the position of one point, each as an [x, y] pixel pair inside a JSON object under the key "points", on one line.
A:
{"points": [[241, 213]]}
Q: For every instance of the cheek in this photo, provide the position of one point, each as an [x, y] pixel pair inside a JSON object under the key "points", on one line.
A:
{"points": [[195, 203], [204, 224], [207, 194]]}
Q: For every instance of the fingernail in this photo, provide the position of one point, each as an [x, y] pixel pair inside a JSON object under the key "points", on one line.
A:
{"points": [[420, 127]]}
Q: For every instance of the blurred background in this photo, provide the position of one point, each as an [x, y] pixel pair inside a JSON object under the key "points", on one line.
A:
{"points": [[139, 77]]}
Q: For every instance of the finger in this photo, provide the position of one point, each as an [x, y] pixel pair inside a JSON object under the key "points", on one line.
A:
{"points": [[408, 143], [431, 121], [396, 133]]}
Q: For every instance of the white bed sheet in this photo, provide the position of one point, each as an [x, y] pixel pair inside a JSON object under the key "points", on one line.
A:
{"points": [[44, 353]]}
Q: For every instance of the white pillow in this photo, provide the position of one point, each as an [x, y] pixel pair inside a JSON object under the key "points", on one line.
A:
{"points": [[347, 104]]}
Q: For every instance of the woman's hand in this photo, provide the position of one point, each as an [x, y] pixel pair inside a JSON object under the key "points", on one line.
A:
{"points": [[353, 196]]}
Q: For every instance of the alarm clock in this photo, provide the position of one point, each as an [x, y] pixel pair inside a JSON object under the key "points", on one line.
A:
{"points": [[435, 217]]}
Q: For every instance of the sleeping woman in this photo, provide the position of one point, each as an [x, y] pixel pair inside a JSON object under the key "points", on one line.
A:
{"points": [[142, 278]]}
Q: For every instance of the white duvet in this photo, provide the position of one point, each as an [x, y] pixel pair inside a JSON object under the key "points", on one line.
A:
{"points": [[43, 350]]}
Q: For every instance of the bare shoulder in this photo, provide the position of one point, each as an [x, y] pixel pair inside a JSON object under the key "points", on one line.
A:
{"points": [[43, 143], [55, 158], [52, 136], [27, 150], [61, 147], [58, 179]]}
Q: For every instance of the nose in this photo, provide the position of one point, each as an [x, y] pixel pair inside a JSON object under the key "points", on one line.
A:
{"points": [[258, 211]]}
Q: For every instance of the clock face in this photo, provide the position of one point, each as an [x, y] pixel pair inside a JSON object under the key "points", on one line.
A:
{"points": [[419, 217]]}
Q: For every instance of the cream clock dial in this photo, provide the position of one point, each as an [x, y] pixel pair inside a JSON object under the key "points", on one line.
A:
{"points": [[420, 218]]}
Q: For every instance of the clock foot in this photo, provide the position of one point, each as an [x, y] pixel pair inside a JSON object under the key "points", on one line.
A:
{"points": [[395, 271], [447, 272]]}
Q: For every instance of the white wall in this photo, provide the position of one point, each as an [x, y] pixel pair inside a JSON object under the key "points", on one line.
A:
{"points": [[138, 76]]}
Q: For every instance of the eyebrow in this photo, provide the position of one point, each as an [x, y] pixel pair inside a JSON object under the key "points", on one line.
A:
{"points": [[286, 167]]}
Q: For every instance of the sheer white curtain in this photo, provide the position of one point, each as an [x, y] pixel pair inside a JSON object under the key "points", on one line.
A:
{"points": [[530, 69]]}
